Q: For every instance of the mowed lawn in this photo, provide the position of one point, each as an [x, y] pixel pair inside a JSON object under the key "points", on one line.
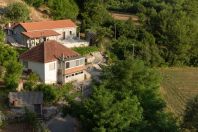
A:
{"points": [[178, 86]]}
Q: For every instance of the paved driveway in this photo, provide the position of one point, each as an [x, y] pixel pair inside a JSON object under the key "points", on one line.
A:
{"points": [[59, 124]]}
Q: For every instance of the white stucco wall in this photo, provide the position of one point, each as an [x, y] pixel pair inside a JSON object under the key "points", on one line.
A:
{"points": [[67, 32], [77, 78], [37, 68], [75, 44], [42, 69], [50, 75]]}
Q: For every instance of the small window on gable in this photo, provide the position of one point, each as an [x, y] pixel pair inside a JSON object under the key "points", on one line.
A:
{"points": [[52, 66], [67, 65]]}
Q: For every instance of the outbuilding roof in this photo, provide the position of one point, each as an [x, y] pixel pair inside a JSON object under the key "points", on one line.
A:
{"points": [[48, 51], [25, 98], [47, 25], [38, 34]]}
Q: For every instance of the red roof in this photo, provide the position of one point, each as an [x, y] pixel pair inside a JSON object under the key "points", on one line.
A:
{"points": [[47, 52], [38, 34], [43, 25]]}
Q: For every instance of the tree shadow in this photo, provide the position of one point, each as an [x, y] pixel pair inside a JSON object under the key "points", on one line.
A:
{"points": [[190, 119]]}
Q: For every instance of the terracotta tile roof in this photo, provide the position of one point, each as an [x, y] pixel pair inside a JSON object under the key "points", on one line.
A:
{"points": [[38, 34], [43, 25], [47, 52], [75, 69]]}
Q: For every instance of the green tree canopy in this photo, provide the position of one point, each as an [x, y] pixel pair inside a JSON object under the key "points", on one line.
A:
{"points": [[49, 92], [13, 74], [104, 112], [17, 12], [9, 62], [127, 99], [61, 9]]}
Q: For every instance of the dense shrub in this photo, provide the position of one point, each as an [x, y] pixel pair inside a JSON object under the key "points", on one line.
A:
{"points": [[86, 50], [49, 92], [35, 3], [61, 9], [17, 12], [2, 119]]}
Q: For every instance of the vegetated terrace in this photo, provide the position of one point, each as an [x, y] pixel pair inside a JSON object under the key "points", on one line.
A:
{"points": [[178, 86]]}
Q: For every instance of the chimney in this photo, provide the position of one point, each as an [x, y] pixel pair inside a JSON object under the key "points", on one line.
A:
{"points": [[63, 57]]}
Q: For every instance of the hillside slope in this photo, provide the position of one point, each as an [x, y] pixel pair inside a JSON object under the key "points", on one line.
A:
{"points": [[35, 15], [178, 86]]}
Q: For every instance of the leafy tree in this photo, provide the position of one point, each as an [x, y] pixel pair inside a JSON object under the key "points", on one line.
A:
{"points": [[13, 74], [61, 9], [17, 12], [104, 112], [49, 92], [94, 15], [7, 54], [31, 82], [190, 120], [127, 99], [64, 92], [12, 69]]}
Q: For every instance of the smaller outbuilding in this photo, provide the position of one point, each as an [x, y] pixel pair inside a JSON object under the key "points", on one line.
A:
{"points": [[33, 101]]}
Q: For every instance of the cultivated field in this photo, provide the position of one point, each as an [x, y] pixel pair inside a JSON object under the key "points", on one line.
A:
{"points": [[124, 17], [178, 86]]}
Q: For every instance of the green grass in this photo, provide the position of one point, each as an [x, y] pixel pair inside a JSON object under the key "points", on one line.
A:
{"points": [[86, 50], [179, 85]]}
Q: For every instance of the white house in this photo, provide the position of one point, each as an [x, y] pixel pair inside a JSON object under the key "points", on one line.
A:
{"points": [[54, 63], [30, 34]]}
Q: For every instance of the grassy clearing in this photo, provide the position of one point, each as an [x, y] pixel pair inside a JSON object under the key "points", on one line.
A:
{"points": [[86, 50], [178, 86]]}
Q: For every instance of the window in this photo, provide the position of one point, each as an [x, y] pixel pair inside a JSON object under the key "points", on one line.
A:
{"points": [[25, 64], [77, 62], [81, 61], [52, 66], [64, 35], [70, 32], [67, 65]]}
